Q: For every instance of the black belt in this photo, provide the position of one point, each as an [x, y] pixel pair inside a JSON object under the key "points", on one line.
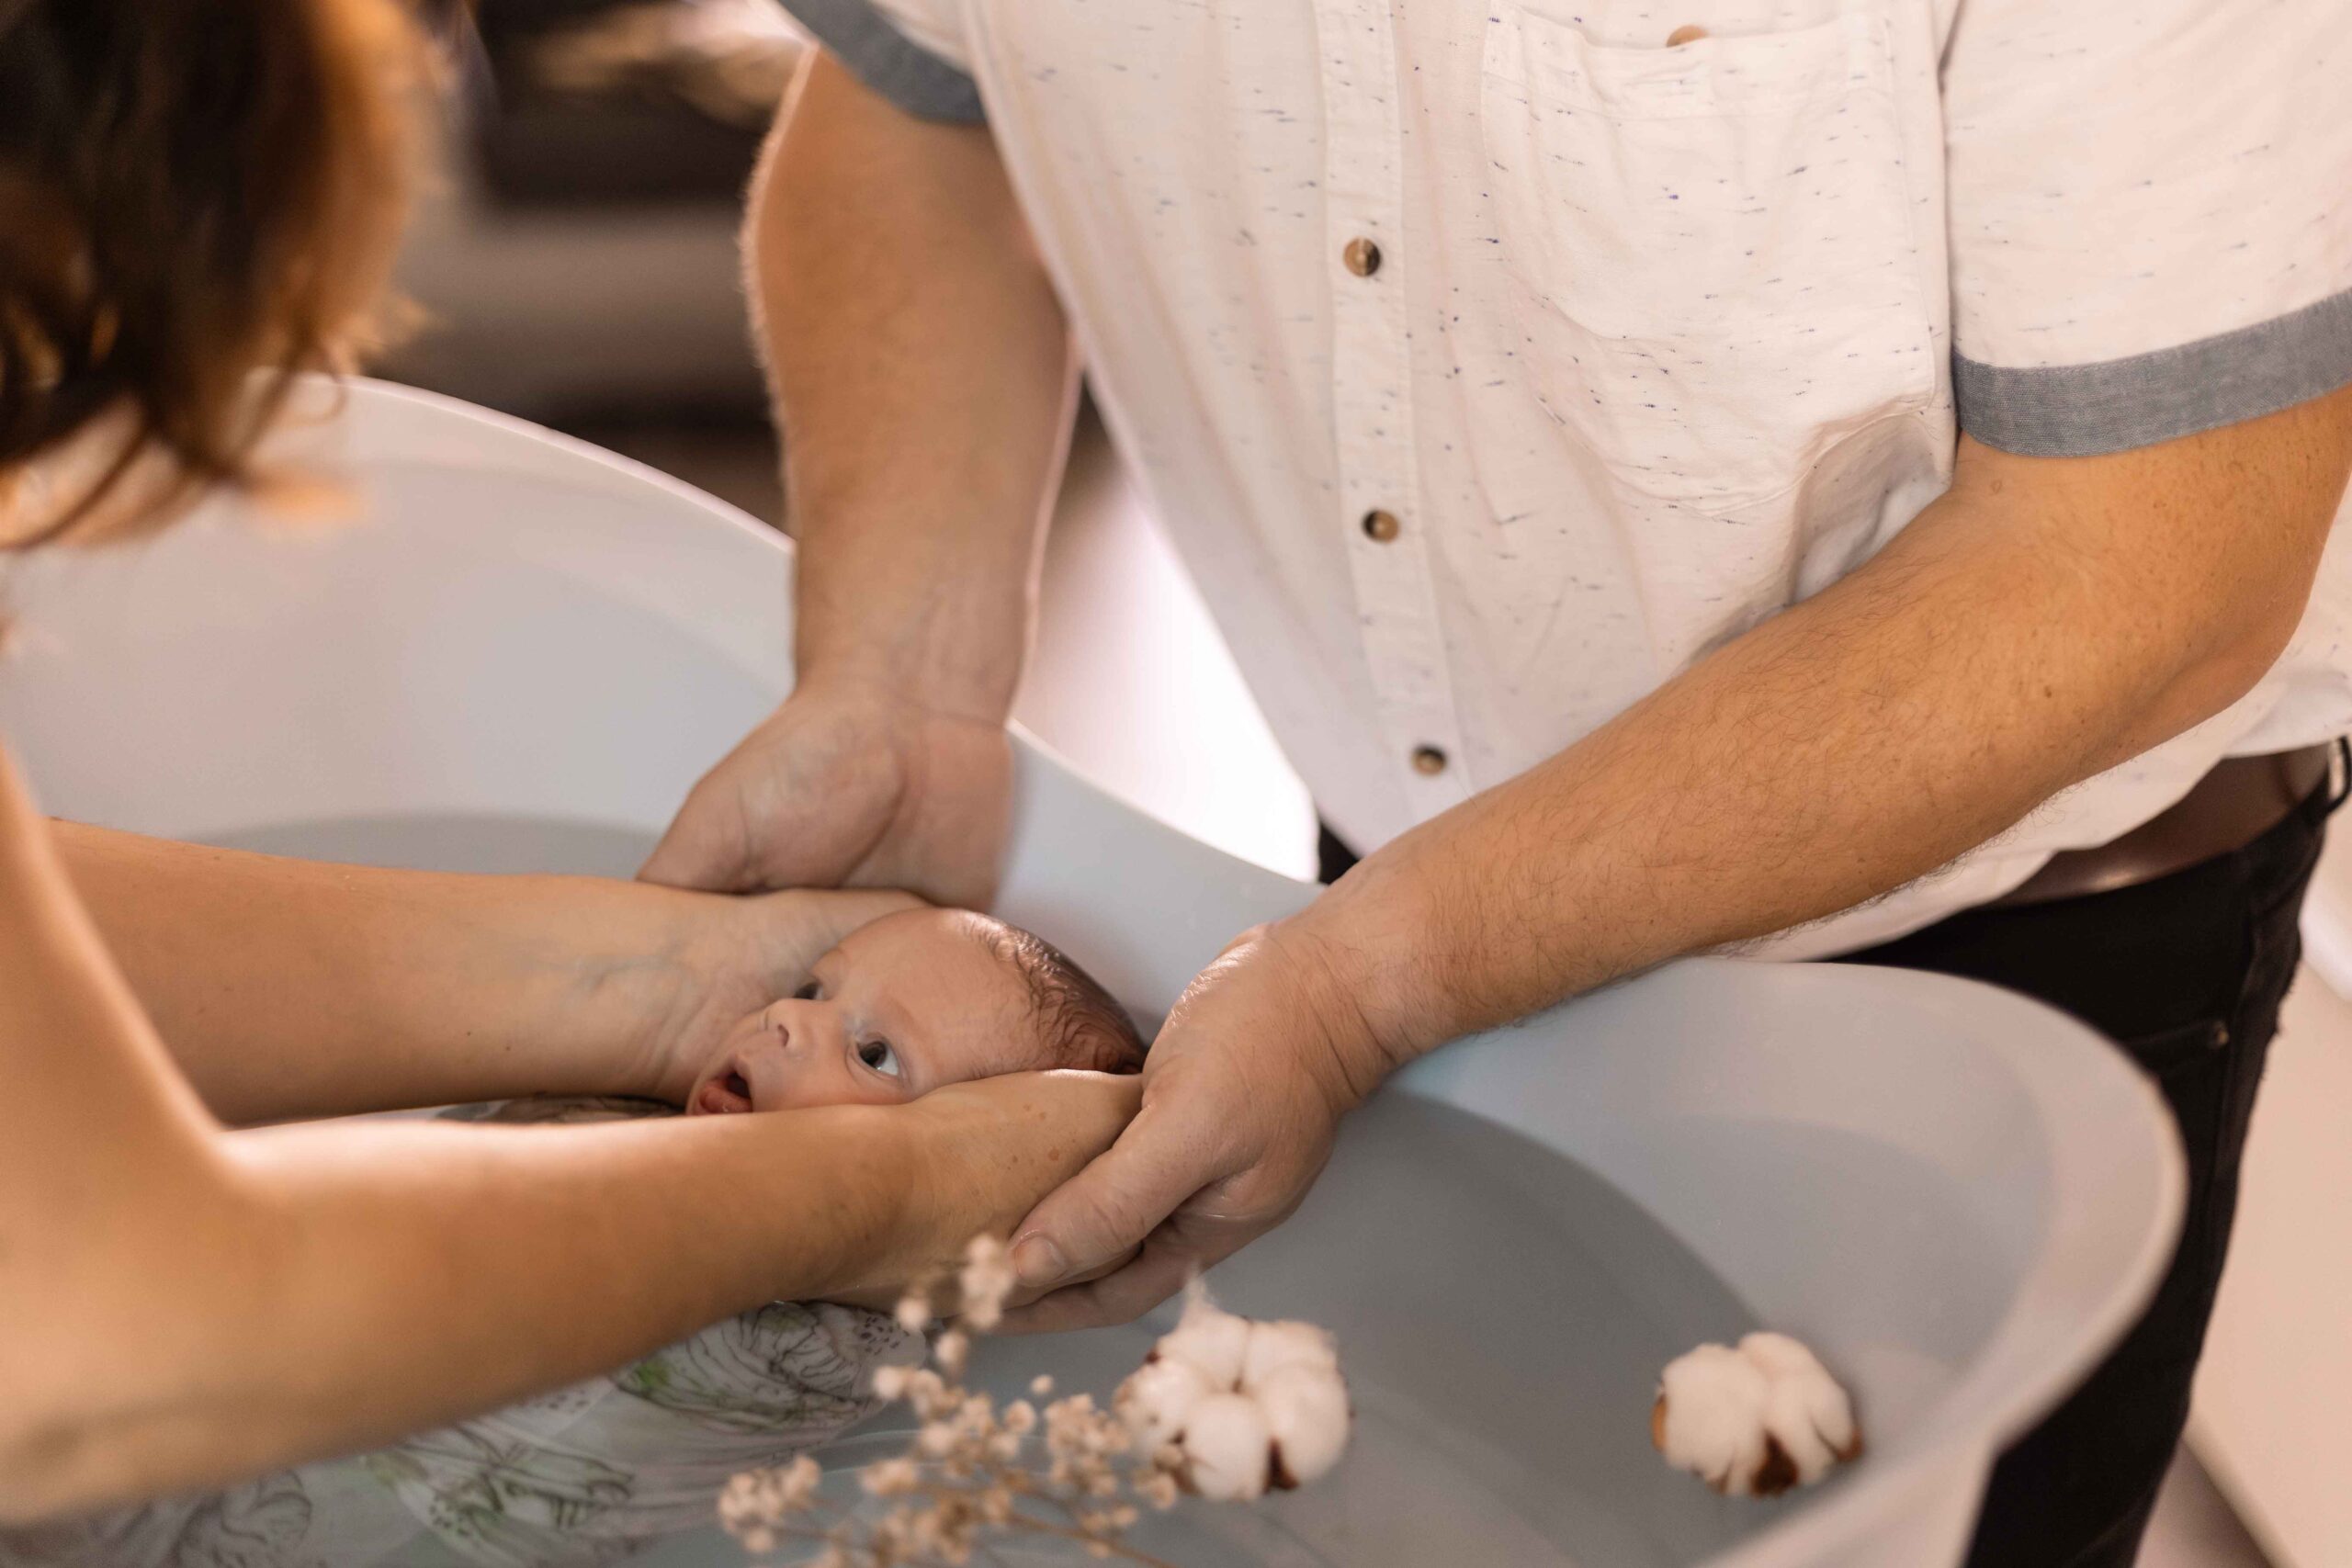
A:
{"points": [[2240, 800]]}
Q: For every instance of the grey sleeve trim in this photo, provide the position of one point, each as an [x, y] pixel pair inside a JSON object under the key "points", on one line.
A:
{"points": [[2081, 411], [888, 61]]}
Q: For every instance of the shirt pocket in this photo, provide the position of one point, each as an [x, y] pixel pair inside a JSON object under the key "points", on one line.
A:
{"points": [[1709, 250]]}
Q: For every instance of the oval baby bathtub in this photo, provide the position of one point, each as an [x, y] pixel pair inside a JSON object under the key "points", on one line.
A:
{"points": [[517, 652]]}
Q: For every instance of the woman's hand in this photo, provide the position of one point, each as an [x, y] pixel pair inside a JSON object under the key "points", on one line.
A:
{"points": [[849, 782], [978, 1155], [288, 988]]}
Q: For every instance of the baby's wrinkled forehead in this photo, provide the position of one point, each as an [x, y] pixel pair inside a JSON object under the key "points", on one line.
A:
{"points": [[1000, 999]]}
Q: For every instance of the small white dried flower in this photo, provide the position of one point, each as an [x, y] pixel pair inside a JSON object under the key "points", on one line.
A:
{"points": [[914, 1312], [1224, 1407], [890, 1477], [986, 1280]]}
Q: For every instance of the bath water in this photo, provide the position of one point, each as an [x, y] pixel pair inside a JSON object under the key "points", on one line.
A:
{"points": [[1502, 1315]]}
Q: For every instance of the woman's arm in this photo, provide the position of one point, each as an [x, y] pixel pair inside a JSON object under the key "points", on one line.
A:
{"points": [[288, 988], [180, 1306]]}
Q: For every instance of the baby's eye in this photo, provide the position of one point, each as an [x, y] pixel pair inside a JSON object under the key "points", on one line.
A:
{"points": [[877, 1054], [808, 993]]}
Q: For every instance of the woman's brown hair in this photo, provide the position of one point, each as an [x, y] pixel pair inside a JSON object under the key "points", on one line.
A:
{"points": [[198, 201]]}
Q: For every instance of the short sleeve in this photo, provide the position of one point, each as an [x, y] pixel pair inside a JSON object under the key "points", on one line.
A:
{"points": [[2151, 216], [911, 51]]}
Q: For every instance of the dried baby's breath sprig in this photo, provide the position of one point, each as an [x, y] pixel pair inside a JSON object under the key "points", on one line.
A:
{"points": [[1059, 1468]]}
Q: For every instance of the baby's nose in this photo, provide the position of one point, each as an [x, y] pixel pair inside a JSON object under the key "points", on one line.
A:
{"points": [[796, 1025]]}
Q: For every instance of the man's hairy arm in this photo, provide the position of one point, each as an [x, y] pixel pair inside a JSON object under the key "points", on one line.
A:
{"points": [[2045, 620], [925, 386]]}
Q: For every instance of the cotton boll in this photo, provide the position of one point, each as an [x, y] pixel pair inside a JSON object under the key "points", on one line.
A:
{"points": [[1226, 1449], [1274, 1346], [1305, 1407], [1212, 1340], [1709, 1419], [1159, 1398], [1754, 1421], [1809, 1413]]}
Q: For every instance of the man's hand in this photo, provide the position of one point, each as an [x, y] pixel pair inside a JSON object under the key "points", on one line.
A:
{"points": [[926, 385], [1263, 1056], [849, 785]]}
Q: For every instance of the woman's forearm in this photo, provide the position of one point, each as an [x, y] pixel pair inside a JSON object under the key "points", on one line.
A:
{"points": [[291, 989], [180, 1307], [295, 1292], [339, 1286]]}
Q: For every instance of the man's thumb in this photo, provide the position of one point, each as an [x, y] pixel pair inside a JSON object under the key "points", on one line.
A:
{"points": [[1099, 1215], [687, 857]]}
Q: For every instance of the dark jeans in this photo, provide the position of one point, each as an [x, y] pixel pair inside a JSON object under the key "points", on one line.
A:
{"points": [[2187, 973]]}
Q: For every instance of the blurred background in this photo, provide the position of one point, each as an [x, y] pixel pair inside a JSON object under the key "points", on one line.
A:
{"points": [[576, 265]]}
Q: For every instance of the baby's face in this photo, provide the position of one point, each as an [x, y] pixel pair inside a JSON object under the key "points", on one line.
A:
{"points": [[902, 1005]]}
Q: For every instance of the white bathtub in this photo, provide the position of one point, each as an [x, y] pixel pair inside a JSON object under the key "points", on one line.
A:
{"points": [[522, 652]]}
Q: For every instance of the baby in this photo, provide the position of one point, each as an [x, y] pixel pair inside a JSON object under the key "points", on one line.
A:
{"points": [[915, 1000], [593, 1473]]}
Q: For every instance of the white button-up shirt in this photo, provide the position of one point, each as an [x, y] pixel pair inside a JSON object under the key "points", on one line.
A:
{"points": [[1489, 364]]}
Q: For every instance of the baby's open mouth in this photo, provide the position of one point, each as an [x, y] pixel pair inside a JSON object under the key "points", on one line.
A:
{"points": [[727, 1093]]}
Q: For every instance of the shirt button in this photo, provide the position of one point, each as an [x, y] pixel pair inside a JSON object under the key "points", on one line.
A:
{"points": [[1428, 759], [1362, 255], [1381, 527]]}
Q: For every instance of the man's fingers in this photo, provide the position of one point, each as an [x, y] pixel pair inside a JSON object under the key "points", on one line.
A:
{"points": [[695, 853], [1163, 1269], [1113, 1204]]}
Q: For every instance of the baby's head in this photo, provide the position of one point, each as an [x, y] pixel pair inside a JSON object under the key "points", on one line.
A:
{"points": [[915, 1000]]}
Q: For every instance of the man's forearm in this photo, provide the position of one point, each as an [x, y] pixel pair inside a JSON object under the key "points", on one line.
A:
{"points": [[293, 988], [2037, 626], [924, 387]]}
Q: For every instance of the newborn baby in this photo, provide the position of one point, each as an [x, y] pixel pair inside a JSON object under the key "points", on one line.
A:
{"points": [[915, 1000], [593, 1473]]}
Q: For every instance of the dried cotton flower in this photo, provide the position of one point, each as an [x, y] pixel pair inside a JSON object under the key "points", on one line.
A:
{"points": [[1228, 1450], [1215, 1342], [1753, 1421], [1306, 1414], [1157, 1401], [1274, 1346]]}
